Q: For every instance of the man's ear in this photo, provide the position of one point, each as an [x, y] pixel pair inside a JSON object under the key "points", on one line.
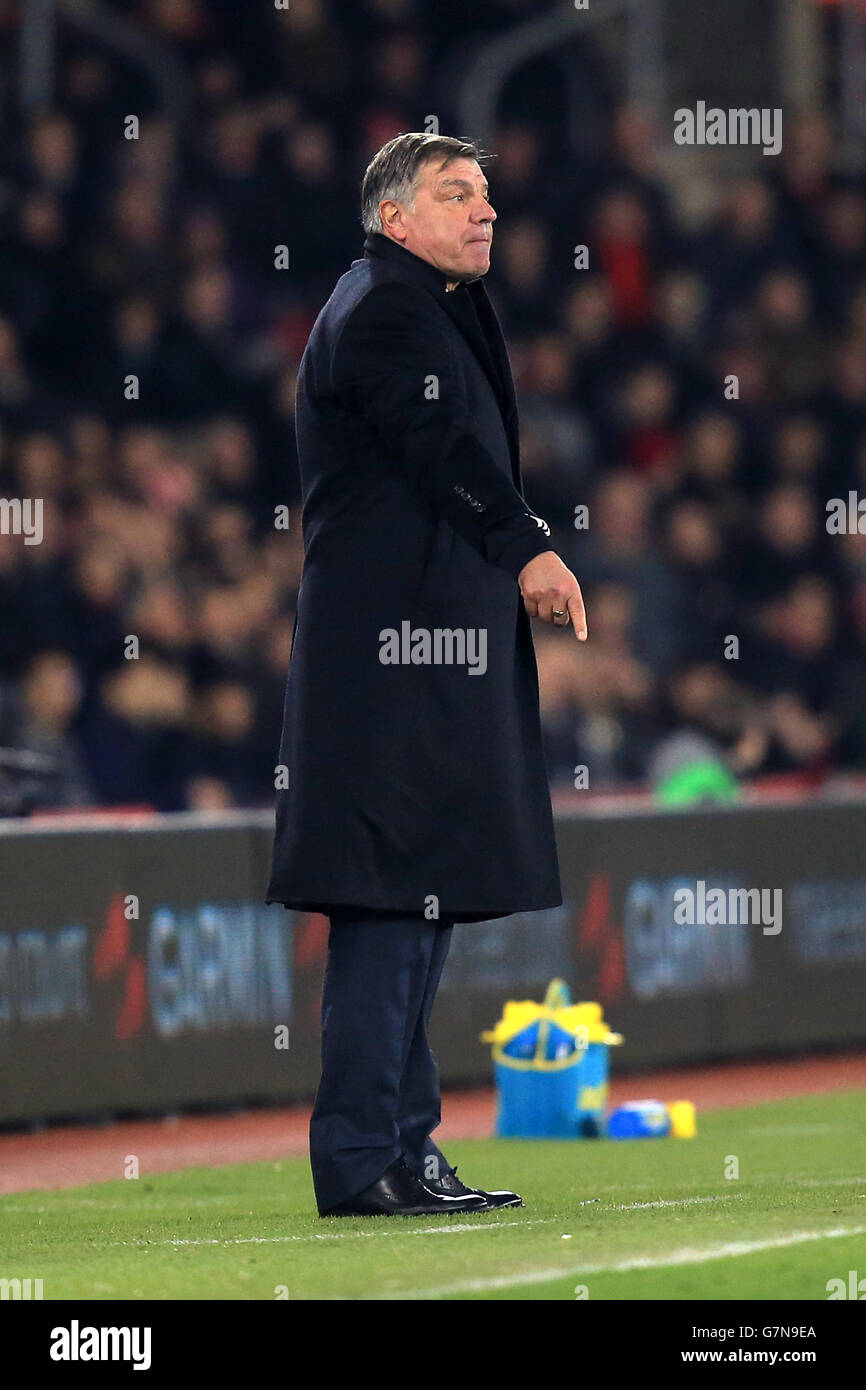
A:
{"points": [[393, 225]]}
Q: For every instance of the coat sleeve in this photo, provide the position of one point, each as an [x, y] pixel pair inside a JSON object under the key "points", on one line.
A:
{"points": [[394, 362]]}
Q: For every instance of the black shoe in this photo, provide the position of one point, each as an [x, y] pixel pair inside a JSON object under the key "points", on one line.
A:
{"points": [[399, 1193], [452, 1186]]}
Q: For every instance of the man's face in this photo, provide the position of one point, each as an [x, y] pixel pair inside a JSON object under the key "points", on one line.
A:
{"points": [[451, 222]]}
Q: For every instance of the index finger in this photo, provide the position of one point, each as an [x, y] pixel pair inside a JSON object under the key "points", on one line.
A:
{"points": [[578, 616]]}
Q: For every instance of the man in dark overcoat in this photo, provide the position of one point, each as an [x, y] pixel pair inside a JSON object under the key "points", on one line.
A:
{"points": [[415, 790]]}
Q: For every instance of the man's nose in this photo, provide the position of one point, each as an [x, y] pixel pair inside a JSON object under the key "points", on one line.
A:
{"points": [[485, 212]]}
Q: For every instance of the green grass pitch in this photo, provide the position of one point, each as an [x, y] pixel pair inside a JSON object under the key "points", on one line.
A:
{"points": [[651, 1219]]}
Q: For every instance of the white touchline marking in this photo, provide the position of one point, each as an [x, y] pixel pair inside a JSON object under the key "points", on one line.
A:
{"points": [[166, 1203], [827, 1182], [391, 1230], [686, 1256], [397, 1230], [156, 1207], [679, 1201]]}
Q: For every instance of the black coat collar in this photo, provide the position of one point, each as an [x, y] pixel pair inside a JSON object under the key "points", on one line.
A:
{"points": [[469, 307], [377, 245]]}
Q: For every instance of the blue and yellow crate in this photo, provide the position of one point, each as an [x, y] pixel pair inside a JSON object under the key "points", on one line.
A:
{"points": [[551, 1067]]}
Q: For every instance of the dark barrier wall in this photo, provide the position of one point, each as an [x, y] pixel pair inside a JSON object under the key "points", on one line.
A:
{"points": [[790, 973], [782, 969], [140, 969]]}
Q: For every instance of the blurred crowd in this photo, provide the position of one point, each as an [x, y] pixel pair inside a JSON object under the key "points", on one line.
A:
{"points": [[724, 617]]}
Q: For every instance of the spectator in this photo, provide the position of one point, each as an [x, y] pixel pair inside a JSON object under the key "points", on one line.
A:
{"points": [[169, 512]]}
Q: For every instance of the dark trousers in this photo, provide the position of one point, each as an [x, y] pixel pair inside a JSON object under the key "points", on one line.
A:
{"points": [[378, 1097]]}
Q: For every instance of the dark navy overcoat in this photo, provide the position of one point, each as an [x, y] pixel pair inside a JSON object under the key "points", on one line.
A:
{"points": [[411, 737]]}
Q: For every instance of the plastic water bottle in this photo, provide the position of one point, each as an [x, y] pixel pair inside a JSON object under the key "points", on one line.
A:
{"points": [[640, 1119]]}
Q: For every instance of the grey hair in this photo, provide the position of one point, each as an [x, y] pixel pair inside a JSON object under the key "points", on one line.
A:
{"points": [[393, 171]]}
